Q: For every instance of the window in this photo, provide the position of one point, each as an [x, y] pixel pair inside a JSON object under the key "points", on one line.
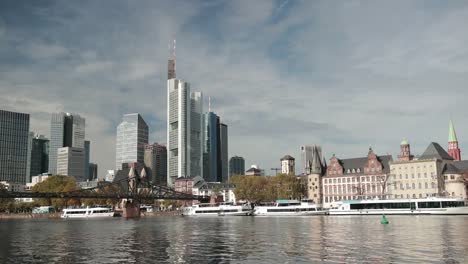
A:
{"points": [[420, 185], [412, 175], [426, 185], [414, 187], [452, 177], [406, 175], [401, 177], [401, 186], [445, 177]]}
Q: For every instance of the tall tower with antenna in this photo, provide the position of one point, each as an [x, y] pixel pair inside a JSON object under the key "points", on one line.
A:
{"points": [[171, 63]]}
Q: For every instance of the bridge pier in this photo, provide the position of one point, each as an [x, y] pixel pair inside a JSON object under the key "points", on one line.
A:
{"points": [[131, 210]]}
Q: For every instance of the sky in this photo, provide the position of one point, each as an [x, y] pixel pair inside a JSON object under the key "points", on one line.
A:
{"points": [[345, 75]]}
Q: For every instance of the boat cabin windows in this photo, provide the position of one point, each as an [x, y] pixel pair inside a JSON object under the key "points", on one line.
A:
{"points": [[383, 206]]}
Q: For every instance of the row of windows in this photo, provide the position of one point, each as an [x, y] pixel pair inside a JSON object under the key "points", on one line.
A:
{"points": [[352, 188], [352, 197], [355, 179], [413, 186], [417, 167], [419, 175]]}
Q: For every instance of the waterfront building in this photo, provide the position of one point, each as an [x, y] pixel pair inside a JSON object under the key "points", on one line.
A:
{"points": [[218, 189], [14, 134], [316, 169], [184, 131], [87, 148], [156, 162], [13, 186], [236, 166], [288, 165], [453, 149], [70, 162], [38, 155], [434, 173], [66, 130], [132, 136], [356, 178]]}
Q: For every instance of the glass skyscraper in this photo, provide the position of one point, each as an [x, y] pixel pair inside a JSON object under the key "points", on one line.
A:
{"points": [[236, 166], [66, 130], [14, 133], [132, 136], [39, 155], [211, 169]]}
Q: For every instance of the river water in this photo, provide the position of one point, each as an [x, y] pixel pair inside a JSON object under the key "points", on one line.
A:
{"points": [[316, 239]]}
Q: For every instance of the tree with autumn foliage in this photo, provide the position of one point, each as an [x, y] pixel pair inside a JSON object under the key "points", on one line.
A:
{"points": [[57, 183], [268, 188]]}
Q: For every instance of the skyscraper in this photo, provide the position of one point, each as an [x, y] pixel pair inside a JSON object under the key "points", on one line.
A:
{"points": [[236, 166], [306, 157], [39, 155], [14, 132], [87, 148], [132, 136], [156, 161], [70, 162], [66, 130], [212, 164], [184, 131], [223, 131], [171, 64]]}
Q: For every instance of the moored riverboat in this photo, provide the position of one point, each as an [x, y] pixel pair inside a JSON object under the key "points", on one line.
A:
{"points": [[422, 206], [89, 212], [218, 209], [289, 208]]}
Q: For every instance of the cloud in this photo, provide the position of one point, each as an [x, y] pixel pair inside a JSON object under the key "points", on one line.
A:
{"points": [[345, 75]]}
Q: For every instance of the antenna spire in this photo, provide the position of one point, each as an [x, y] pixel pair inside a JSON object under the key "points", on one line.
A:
{"points": [[171, 64], [209, 103]]}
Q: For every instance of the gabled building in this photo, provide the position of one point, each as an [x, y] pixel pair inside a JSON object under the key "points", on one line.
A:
{"points": [[356, 178]]}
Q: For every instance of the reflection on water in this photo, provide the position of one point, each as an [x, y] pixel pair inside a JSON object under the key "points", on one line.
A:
{"points": [[407, 239]]}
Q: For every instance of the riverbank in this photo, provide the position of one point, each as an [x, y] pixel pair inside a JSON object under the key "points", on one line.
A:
{"points": [[161, 213], [30, 216]]}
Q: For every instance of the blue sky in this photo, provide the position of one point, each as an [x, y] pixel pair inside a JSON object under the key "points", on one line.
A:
{"points": [[343, 74]]}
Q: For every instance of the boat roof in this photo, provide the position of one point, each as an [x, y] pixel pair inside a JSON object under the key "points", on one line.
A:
{"points": [[428, 199], [287, 201]]}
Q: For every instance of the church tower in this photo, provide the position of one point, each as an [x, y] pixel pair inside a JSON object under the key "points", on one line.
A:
{"points": [[405, 151], [453, 148]]}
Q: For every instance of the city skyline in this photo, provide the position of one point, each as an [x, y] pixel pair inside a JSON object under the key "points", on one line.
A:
{"points": [[281, 89]]}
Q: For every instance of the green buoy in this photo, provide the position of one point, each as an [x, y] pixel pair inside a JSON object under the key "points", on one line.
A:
{"points": [[384, 220]]}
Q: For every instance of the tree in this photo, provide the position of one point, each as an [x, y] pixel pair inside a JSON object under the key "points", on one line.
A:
{"points": [[5, 203], [57, 183]]}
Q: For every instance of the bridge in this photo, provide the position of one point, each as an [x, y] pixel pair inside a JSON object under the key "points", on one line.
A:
{"points": [[134, 189]]}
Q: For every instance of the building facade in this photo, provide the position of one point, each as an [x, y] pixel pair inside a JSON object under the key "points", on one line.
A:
{"points": [[39, 161], [288, 165], [236, 166], [184, 131], [87, 148], [70, 162], [92, 171], [212, 162], [156, 161], [66, 130], [14, 134], [132, 137], [223, 131], [316, 168], [356, 178]]}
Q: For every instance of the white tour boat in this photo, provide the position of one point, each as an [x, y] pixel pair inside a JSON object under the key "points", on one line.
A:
{"points": [[221, 209], [422, 206], [87, 212], [289, 208]]}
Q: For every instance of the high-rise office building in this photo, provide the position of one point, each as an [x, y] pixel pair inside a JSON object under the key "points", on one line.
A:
{"points": [[223, 140], [92, 171], [87, 148], [14, 133], [132, 136], [39, 161], [70, 162], [66, 130], [184, 131], [212, 156], [236, 166], [156, 161]]}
